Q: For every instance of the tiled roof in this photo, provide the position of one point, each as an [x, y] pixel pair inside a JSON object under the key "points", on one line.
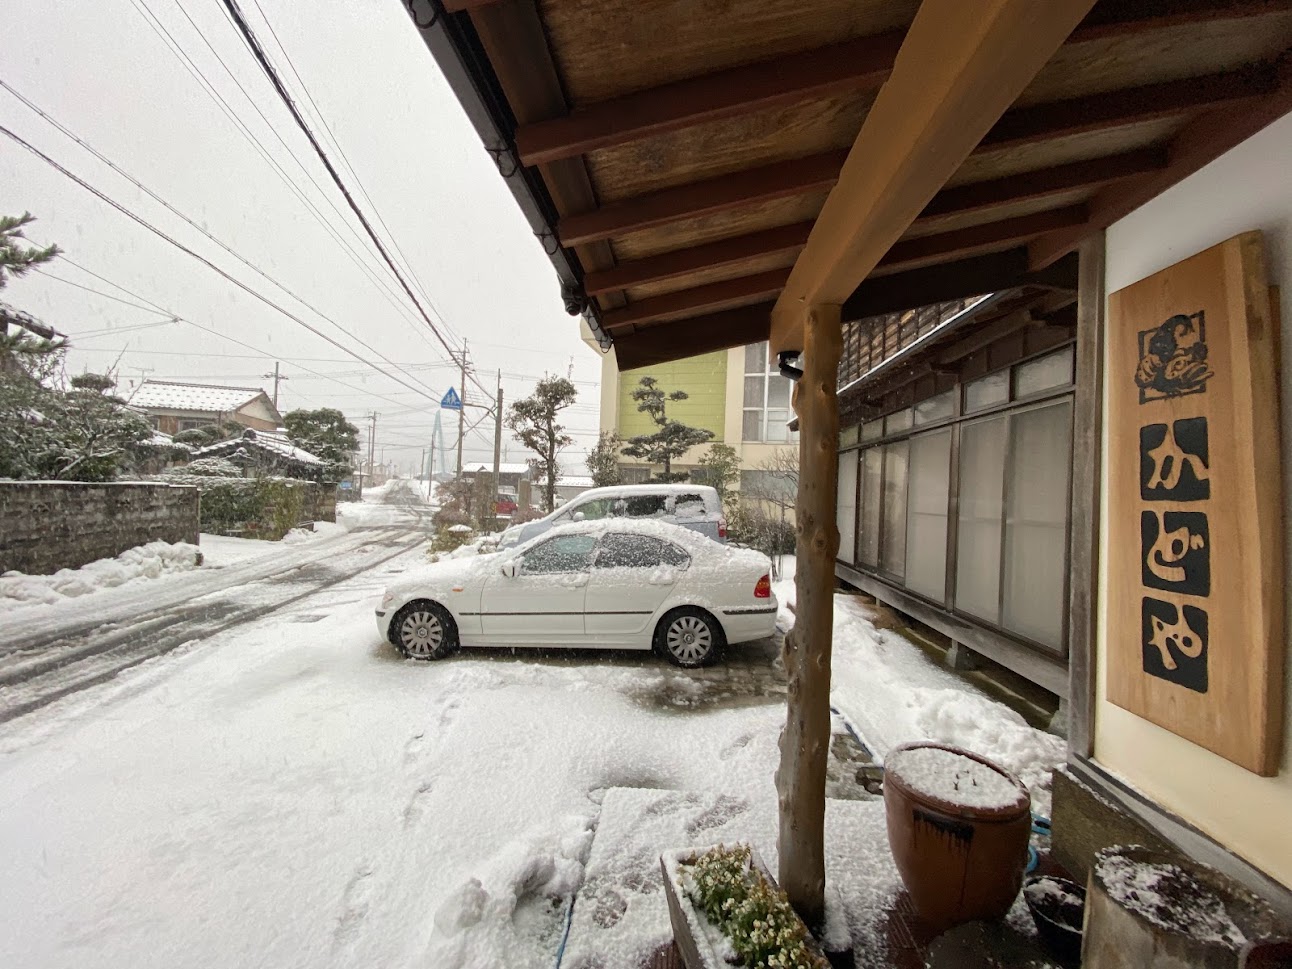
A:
{"points": [[199, 398], [504, 467], [261, 440]]}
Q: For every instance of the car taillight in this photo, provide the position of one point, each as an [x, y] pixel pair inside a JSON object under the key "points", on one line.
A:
{"points": [[722, 528], [763, 590]]}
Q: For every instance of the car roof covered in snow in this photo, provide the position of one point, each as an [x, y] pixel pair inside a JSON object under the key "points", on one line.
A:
{"points": [[200, 398], [644, 489]]}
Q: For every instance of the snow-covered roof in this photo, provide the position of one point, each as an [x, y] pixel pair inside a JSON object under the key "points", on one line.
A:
{"points": [[504, 467], [261, 440], [574, 481], [199, 398]]}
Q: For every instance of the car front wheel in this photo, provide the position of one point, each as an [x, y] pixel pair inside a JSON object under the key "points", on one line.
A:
{"points": [[688, 637], [424, 630]]}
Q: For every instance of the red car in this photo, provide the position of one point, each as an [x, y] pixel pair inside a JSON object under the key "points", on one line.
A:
{"points": [[505, 505]]}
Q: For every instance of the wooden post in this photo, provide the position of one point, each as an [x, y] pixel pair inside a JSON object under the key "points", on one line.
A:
{"points": [[805, 741]]}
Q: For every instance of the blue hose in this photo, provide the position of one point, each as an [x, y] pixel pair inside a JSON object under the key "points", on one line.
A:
{"points": [[1041, 826], [565, 936]]}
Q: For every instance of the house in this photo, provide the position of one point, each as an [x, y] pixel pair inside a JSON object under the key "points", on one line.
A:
{"points": [[172, 406], [739, 394], [1079, 475], [510, 474], [571, 486], [261, 453]]}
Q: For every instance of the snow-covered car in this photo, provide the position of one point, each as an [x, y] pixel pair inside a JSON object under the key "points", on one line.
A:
{"points": [[696, 507], [616, 583]]}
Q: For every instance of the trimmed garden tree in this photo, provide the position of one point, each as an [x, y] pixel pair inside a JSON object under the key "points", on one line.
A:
{"points": [[603, 460], [326, 434], [534, 422], [672, 438]]}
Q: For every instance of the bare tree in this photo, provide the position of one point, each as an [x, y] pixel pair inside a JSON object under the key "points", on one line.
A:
{"points": [[533, 420]]}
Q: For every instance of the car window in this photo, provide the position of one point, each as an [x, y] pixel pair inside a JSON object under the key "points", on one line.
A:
{"points": [[565, 553], [670, 554], [593, 510], [628, 552], [645, 506], [689, 506]]}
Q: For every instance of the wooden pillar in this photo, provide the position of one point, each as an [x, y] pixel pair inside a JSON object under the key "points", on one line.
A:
{"points": [[805, 741]]}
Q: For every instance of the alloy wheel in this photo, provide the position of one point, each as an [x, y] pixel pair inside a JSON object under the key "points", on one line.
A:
{"points": [[689, 639], [421, 633]]}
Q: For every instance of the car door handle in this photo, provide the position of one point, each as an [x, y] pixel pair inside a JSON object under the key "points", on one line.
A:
{"points": [[575, 581]]}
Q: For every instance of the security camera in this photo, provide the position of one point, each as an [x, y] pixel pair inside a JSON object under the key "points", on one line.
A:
{"points": [[788, 362]]}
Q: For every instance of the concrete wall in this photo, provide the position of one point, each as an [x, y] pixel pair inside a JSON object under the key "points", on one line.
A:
{"points": [[50, 525], [1248, 188]]}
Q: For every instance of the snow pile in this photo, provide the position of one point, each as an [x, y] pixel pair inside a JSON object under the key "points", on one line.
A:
{"points": [[142, 562], [954, 778], [892, 693], [320, 530]]}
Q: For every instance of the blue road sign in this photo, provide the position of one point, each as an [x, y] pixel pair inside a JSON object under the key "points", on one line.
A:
{"points": [[451, 400]]}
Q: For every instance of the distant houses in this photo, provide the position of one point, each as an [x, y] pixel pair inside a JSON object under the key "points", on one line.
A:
{"points": [[172, 406]]}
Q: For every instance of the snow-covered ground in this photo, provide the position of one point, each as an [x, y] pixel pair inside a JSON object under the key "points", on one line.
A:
{"points": [[291, 793]]}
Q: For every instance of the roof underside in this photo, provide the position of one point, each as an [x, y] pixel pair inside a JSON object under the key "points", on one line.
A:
{"points": [[682, 177]]}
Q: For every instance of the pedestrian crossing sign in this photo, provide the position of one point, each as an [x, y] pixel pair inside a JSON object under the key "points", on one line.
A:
{"points": [[451, 400]]}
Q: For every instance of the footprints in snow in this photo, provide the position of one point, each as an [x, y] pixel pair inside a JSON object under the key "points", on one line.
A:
{"points": [[354, 906], [416, 754], [416, 805]]}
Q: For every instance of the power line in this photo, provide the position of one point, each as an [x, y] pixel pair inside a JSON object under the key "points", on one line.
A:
{"points": [[206, 262], [157, 307], [177, 50], [262, 59], [189, 221]]}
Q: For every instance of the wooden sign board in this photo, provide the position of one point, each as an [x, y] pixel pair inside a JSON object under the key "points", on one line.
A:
{"points": [[1195, 530]]}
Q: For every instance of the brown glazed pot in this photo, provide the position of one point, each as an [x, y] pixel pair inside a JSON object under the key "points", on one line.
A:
{"points": [[958, 863]]}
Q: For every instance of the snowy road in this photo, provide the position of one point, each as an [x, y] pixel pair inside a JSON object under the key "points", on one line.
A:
{"points": [[288, 792]]}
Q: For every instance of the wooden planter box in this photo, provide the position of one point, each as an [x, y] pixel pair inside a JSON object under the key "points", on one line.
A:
{"points": [[690, 924]]}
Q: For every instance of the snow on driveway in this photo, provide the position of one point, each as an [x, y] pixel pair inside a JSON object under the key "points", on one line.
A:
{"points": [[296, 795]]}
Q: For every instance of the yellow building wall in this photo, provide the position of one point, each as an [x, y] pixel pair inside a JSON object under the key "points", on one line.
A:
{"points": [[704, 378], [1247, 188]]}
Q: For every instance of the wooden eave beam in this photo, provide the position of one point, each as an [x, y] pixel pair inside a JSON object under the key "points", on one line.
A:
{"points": [[711, 255], [855, 65], [690, 302], [1118, 18], [688, 337], [1204, 139], [1113, 109], [960, 68], [948, 246], [713, 195]]}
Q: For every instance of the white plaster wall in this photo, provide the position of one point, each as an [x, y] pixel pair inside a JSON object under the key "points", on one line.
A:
{"points": [[1248, 188]]}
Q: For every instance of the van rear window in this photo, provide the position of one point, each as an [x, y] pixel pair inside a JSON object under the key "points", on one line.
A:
{"points": [[689, 506], [644, 506]]}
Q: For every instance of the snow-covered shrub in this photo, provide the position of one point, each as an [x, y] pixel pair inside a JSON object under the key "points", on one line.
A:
{"points": [[754, 916], [209, 468], [447, 540], [748, 524]]}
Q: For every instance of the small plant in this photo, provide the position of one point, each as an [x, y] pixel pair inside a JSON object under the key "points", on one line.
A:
{"points": [[755, 917]]}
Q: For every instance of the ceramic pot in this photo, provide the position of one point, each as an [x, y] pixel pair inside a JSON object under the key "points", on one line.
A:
{"points": [[958, 826]]}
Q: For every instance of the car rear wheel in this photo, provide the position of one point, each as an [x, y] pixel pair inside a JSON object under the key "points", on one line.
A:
{"points": [[424, 630], [689, 637]]}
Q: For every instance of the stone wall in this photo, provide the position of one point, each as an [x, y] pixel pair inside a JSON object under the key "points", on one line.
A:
{"points": [[50, 525]]}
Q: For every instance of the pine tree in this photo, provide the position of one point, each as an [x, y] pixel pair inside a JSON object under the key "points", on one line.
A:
{"points": [[533, 421], [325, 433], [16, 259], [672, 439]]}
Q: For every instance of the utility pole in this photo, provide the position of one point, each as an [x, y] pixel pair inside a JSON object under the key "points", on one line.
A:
{"points": [[372, 439], [276, 377], [462, 408], [497, 435]]}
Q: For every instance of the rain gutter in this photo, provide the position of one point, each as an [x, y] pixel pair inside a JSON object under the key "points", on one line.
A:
{"points": [[457, 51]]}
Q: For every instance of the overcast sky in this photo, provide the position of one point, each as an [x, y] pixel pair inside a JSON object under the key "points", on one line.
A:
{"points": [[108, 76]]}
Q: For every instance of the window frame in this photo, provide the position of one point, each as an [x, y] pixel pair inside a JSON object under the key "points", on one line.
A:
{"points": [[558, 538], [769, 371]]}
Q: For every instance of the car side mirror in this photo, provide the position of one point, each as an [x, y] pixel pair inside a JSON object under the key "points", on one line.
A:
{"points": [[579, 516], [510, 568]]}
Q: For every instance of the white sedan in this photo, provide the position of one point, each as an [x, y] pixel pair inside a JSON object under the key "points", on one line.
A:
{"points": [[620, 583]]}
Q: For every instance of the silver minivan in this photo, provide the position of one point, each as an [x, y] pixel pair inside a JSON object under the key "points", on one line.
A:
{"points": [[692, 506]]}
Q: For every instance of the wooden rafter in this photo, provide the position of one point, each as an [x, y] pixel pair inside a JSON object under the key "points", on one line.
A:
{"points": [[958, 243], [707, 197], [688, 302], [1113, 109], [855, 65], [949, 281], [1121, 17], [920, 129], [1204, 139], [1029, 186], [697, 334], [711, 255]]}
